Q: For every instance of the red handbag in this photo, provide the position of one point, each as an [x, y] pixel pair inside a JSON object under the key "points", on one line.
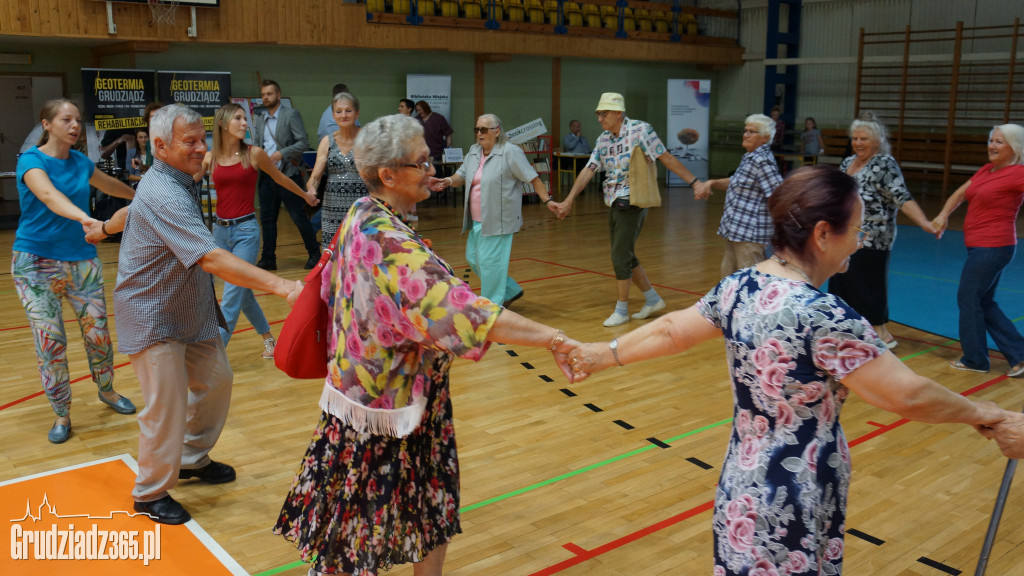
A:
{"points": [[301, 350]]}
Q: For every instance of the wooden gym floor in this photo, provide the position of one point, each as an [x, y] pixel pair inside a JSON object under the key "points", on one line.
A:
{"points": [[615, 475]]}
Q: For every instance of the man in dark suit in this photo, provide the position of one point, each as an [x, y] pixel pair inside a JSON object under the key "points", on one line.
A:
{"points": [[279, 131]]}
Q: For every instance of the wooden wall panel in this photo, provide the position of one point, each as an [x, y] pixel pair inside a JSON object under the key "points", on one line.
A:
{"points": [[330, 23]]}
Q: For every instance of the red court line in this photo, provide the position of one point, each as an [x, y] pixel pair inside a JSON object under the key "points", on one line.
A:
{"points": [[610, 275], [581, 555], [40, 393]]}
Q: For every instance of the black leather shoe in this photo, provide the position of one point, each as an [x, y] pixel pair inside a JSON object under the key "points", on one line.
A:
{"points": [[513, 299], [59, 433], [214, 473], [267, 264], [312, 262], [122, 406], [165, 511]]}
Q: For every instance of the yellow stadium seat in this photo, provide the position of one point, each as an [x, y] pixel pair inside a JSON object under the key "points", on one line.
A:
{"points": [[515, 10], [375, 6], [425, 7], [535, 15], [472, 9], [400, 6], [660, 21], [449, 8]]}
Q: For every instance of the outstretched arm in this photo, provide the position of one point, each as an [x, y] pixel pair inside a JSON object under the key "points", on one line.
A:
{"points": [[264, 163]]}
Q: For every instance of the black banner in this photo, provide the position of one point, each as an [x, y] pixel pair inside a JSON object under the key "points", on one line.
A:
{"points": [[115, 99], [203, 92]]}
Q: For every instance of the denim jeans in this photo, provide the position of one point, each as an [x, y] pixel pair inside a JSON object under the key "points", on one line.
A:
{"points": [[980, 313], [271, 195], [242, 240]]}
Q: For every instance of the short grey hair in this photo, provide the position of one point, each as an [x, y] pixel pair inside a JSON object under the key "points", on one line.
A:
{"points": [[495, 123], [345, 96], [387, 141], [765, 125], [161, 124], [1014, 136], [875, 129]]}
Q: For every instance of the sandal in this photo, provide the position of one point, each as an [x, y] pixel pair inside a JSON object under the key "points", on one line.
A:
{"points": [[961, 366]]}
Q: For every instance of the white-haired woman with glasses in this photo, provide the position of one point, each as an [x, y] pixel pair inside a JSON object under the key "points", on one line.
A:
{"points": [[865, 285], [379, 485], [496, 171], [994, 196]]}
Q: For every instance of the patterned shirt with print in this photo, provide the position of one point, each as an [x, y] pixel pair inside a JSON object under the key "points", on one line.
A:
{"points": [[611, 154]]}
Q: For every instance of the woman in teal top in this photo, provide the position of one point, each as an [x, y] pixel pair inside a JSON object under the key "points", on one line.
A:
{"points": [[52, 260]]}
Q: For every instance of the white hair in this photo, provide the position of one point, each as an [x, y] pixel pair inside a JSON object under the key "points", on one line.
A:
{"points": [[495, 123], [161, 123], [765, 125], [1014, 136], [387, 141], [875, 129]]}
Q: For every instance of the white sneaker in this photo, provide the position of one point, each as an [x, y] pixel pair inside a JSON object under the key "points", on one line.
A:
{"points": [[268, 348], [646, 310], [616, 319]]}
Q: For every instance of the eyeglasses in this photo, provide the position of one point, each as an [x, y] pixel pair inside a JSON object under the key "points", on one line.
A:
{"points": [[602, 114], [423, 166], [861, 235], [483, 129], [750, 132]]}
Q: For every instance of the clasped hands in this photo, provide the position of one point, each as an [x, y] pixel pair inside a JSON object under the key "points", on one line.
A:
{"points": [[578, 360]]}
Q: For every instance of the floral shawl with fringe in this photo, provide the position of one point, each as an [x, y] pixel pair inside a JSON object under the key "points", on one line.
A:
{"points": [[399, 316]]}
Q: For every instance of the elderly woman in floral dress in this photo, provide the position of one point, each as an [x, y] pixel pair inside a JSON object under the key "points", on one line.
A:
{"points": [[794, 353], [379, 485]]}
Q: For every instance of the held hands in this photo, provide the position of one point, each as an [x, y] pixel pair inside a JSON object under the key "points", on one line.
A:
{"points": [[702, 190], [586, 359], [311, 198], [939, 225], [93, 230], [562, 209], [553, 207], [560, 348], [437, 184]]}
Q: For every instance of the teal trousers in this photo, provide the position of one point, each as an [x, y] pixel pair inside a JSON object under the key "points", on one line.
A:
{"points": [[488, 256]]}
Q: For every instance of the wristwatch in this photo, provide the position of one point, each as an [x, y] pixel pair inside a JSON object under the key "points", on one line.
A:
{"points": [[614, 347]]}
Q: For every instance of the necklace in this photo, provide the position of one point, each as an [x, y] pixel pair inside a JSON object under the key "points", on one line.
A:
{"points": [[787, 264], [394, 212]]}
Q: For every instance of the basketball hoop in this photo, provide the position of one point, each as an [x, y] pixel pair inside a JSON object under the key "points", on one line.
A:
{"points": [[163, 11]]}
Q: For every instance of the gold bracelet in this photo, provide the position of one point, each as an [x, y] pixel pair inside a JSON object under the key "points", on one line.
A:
{"points": [[556, 339]]}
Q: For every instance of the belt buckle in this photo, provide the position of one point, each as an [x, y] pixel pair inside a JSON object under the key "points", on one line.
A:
{"points": [[224, 222]]}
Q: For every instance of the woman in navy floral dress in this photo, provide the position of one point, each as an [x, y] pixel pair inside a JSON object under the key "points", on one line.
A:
{"points": [[379, 484], [794, 352]]}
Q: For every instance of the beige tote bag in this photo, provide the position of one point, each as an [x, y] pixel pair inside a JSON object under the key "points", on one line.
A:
{"points": [[643, 180]]}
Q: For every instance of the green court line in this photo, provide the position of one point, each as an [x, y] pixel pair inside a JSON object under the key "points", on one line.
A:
{"points": [[561, 477], [588, 468]]}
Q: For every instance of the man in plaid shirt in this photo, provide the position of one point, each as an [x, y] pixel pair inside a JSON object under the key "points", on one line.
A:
{"points": [[746, 224]]}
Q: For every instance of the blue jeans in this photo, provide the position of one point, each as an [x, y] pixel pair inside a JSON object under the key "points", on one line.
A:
{"points": [[980, 313], [242, 240], [488, 256]]}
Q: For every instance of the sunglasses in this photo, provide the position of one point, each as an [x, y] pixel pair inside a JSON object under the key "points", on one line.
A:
{"points": [[483, 129]]}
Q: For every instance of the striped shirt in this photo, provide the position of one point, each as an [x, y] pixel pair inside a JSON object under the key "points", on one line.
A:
{"points": [[745, 217], [162, 294]]}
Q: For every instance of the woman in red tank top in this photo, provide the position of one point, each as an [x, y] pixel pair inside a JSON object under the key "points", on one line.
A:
{"points": [[235, 166]]}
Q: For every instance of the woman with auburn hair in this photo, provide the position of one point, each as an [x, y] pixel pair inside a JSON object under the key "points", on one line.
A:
{"points": [[53, 261], [794, 355], [234, 167]]}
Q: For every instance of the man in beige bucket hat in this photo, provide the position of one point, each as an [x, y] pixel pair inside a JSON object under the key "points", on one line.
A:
{"points": [[612, 155]]}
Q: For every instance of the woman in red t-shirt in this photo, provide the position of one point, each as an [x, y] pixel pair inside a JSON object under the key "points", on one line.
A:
{"points": [[994, 195], [234, 166]]}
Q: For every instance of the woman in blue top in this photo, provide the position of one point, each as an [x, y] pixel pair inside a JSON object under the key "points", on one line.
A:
{"points": [[52, 260]]}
